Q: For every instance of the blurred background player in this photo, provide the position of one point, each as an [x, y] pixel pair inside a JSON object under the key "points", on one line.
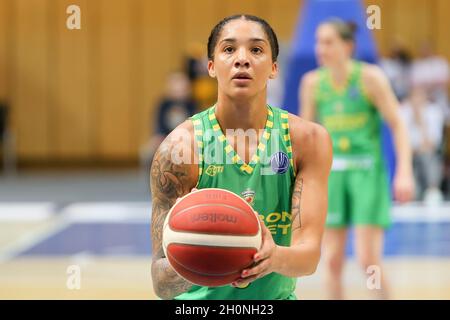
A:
{"points": [[425, 123], [174, 107], [397, 66], [350, 98]]}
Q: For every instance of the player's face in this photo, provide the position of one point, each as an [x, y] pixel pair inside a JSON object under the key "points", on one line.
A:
{"points": [[242, 60], [330, 49]]}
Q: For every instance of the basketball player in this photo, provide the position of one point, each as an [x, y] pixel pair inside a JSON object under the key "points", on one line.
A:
{"points": [[282, 171], [350, 98]]}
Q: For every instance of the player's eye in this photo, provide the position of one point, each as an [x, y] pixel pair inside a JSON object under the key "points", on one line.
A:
{"points": [[228, 50], [256, 50]]}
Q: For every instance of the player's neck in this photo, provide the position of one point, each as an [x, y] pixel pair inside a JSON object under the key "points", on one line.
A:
{"points": [[340, 73], [242, 114]]}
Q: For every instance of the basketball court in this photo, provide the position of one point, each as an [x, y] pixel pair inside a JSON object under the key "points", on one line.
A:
{"points": [[80, 88], [109, 240]]}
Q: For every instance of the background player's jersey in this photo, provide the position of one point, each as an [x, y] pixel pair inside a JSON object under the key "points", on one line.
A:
{"points": [[352, 121], [265, 182]]}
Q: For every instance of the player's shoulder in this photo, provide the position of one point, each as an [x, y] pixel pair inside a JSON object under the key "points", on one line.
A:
{"points": [[372, 72], [185, 128], [310, 79], [304, 132], [373, 78], [178, 154], [311, 142], [180, 141]]}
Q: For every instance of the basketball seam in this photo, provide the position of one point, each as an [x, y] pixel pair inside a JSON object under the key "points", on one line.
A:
{"points": [[206, 274], [252, 238]]}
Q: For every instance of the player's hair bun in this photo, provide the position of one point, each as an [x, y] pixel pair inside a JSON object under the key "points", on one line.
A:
{"points": [[345, 29], [352, 26]]}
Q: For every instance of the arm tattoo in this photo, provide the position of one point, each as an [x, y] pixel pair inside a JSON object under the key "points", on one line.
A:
{"points": [[296, 200], [169, 181]]}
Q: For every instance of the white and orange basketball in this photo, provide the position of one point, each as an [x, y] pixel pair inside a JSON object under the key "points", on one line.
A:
{"points": [[210, 236]]}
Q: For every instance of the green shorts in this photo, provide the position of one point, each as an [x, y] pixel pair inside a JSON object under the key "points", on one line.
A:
{"points": [[359, 197]]}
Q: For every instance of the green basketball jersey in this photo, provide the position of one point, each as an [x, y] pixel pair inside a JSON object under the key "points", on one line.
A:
{"points": [[352, 121], [266, 183], [358, 190]]}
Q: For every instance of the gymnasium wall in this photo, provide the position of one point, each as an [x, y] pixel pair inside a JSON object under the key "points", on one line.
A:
{"points": [[87, 94]]}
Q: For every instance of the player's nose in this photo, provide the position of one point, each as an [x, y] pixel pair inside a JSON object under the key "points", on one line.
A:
{"points": [[242, 58]]}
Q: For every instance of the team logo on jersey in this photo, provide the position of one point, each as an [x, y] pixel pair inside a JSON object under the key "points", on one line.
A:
{"points": [[353, 92], [248, 195], [212, 170], [338, 107], [279, 162], [344, 144]]}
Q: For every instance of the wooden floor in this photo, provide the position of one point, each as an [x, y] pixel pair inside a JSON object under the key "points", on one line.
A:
{"points": [[129, 278]]}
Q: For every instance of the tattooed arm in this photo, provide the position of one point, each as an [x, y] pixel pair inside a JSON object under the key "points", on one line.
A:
{"points": [[173, 174], [311, 147], [313, 156]]}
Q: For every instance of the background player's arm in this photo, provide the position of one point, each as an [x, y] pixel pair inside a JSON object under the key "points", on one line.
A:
{"points": [[169, 181], [307, 96], [380, 93]]}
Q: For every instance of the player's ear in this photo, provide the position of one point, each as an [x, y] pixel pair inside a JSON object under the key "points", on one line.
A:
{"points": [[273, 74], [211, 71]]}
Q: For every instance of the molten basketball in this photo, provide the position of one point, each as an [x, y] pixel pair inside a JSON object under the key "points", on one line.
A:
{"points": [[210, 236]]}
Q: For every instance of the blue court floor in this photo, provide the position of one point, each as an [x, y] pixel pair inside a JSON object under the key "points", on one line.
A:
{"points": [[120, 229]]}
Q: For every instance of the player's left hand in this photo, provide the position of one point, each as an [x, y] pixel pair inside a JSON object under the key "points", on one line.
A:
{"points": [[264, 260]]}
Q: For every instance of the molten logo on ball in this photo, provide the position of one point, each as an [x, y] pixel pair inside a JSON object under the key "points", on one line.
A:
{"points": [[214, 217]]}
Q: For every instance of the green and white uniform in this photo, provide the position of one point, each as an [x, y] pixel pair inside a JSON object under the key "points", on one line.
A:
{"points": [[266, 183], [358, 185]]}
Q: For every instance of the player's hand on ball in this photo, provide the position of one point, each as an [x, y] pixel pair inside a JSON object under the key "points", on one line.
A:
{"points": [[265, 260]]}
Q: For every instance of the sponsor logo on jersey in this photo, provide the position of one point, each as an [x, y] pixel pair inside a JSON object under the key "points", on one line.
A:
{"points": [[248, 195], [346, 122], [278, 223], [212, 170], [279, 162]]}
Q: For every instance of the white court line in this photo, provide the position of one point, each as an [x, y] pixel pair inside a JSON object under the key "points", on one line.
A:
{"points": [[26, 211], [112, 212], [27, 241], [417, 212], [122, 212]]}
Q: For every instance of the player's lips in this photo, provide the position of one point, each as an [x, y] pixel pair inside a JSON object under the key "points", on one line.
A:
{"points": [[242, 76]]}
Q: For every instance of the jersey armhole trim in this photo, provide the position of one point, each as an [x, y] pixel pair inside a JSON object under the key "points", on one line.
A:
{"points": [[360, 83], [318, 87], [198, 133], [284, 120]]}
